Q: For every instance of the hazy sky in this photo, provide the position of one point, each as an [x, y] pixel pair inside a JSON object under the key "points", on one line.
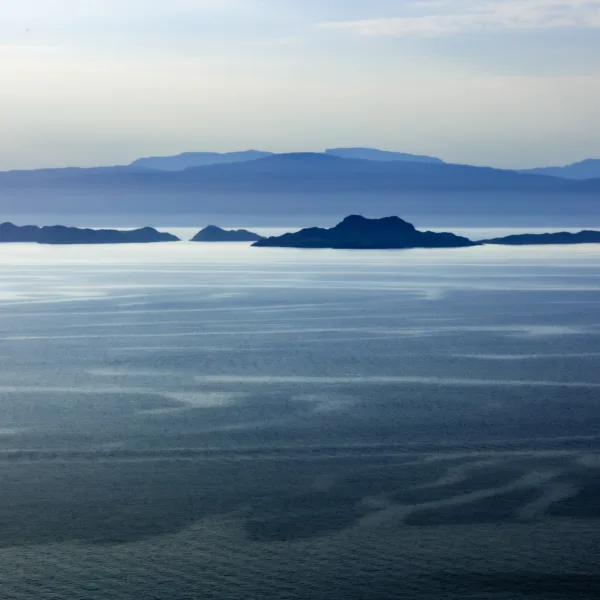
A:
{"points": [[499, 82]]}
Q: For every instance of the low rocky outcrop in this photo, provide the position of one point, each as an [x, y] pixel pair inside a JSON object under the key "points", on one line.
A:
{"points": [[212, 233], [562, 237], [59, 234]]}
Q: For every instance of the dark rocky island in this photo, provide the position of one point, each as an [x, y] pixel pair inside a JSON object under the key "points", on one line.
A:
{"points": [[357, 232], [212, 233], [563, 237], [10, 232], [59, 234]]}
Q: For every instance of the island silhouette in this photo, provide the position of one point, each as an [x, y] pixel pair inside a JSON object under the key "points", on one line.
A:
{"points": [[353, 232], [358, 232], [212, 233], [562, 237], [59, 234]]}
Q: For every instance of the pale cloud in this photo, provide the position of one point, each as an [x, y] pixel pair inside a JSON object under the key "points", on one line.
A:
{"points": [[457, 16], [130, 25], [76, 9], [88, 82], [72, 18]]}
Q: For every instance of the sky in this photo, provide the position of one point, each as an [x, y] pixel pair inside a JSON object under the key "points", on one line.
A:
{"points": [[506, 83]]}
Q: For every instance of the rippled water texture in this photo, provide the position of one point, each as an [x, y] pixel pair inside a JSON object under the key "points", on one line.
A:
{"points": [[217, 421]]}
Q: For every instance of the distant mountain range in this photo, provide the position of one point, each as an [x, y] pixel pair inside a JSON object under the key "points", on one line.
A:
{"points": [[180, 162], [381, 155], [332, 182], [188, 160], [586, 169], [303, 172]]}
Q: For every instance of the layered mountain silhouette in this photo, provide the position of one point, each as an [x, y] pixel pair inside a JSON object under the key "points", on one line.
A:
{"points": [[212, 233], [358, 232], [45, 176], [296, 171], [563, 237], [299, 184], [586, 169], [180, 162], [187, 160], [59, 234], [380, 155]]}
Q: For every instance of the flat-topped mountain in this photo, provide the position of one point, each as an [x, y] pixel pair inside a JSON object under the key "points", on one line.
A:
{"points": [[562, 237], [212, 233], [381, 155], [357, 232], [59, 234], [188, 160], [180, 162]]}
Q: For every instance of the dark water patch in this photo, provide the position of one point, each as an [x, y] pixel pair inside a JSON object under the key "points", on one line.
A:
{"points": [[303, 516], [391, 479], [117, 502], [585, 504], [543, 586], [486, 478], [131, 497]]}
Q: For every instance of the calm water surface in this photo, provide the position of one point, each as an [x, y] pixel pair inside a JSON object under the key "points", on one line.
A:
{"points": [[186, 421]]}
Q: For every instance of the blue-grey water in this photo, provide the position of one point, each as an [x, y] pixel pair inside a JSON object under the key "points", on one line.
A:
{"points": [[185, 421]]}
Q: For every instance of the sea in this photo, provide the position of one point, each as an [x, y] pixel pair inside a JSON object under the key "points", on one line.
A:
{"points": [[214, 421]]}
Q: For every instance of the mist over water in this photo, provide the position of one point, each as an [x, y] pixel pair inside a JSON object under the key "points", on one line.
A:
{"points": [[220, 421]]}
